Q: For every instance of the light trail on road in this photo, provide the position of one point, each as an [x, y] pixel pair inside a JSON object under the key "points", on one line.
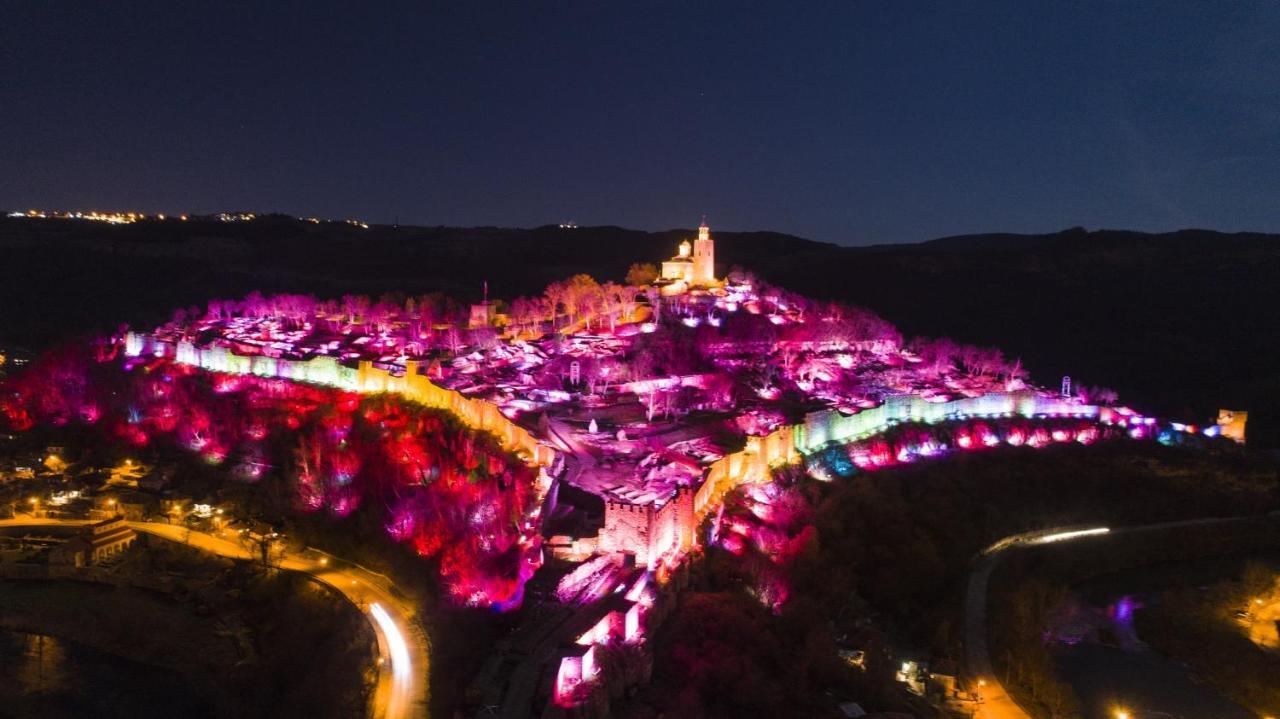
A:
{"points": [[400, 665], [398, 694], [1073, 534]]}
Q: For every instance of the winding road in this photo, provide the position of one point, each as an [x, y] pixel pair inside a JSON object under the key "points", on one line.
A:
{"points": [[996, 703], [403, 649]]}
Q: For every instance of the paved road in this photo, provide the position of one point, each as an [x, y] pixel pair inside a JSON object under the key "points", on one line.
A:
{"points": [[578, 459], [996, 702], [403, 650]]}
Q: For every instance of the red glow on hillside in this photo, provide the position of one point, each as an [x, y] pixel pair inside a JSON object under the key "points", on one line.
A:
{"points": [[452, 494]]}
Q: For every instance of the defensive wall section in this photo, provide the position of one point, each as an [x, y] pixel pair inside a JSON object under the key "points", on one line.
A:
{"points": [[366, 377], [649, 531], [828, 427]]}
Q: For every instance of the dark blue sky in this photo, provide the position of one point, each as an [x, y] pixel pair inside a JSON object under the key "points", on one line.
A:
{"points": [[851, 122]]}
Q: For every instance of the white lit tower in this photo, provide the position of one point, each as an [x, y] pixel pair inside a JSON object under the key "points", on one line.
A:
{"points": [[704, 257]]}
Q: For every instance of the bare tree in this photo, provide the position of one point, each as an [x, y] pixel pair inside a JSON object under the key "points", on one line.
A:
{"points": [[555, 294], [642, 273]]}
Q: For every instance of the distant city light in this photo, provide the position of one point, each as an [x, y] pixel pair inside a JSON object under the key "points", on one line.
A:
{"points": [[128, 218]]}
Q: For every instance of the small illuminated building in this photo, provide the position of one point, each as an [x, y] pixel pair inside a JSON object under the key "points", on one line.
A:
{"points": [[694, 264], [680, 267], [97, 542], [914, 674], [943, 679], [131, 506], [481, 315], [1231, 424]]}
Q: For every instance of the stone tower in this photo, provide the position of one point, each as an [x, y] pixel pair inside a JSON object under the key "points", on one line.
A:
{"points": [[704, 257]]}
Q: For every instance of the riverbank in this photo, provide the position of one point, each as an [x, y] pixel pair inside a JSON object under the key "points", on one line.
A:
{"points": [[134, 625], [54, 678], [1065, 642], [1207, 629], [232, 634]]}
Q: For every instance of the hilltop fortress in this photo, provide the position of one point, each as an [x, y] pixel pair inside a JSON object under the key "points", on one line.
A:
{"points": [[652, 500], [642, 407]]}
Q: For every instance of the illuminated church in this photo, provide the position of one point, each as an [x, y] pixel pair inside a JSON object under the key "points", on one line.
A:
{"points": [[694, 266]]}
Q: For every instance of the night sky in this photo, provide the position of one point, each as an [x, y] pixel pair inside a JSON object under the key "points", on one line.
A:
{"points": [[850, 122]]}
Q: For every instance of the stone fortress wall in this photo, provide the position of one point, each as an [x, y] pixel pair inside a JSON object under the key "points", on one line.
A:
{"points": [[365, 378], [650, 532], [790, 444]]}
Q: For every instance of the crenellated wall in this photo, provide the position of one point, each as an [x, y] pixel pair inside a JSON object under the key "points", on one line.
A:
{"points": [[365, 378], [832, 426], [647, 531], [751, 464], [790, 443]]}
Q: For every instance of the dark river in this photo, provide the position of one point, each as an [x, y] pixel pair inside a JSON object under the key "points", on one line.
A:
{"points": [[1125, 674], [52, 678], [1148, 683]]}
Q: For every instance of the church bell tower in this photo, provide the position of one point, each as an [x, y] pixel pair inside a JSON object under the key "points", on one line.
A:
{"points": [[704, 257]]}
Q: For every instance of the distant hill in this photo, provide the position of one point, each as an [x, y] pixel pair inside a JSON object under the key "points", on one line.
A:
{"points": [[1179, 323]]}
